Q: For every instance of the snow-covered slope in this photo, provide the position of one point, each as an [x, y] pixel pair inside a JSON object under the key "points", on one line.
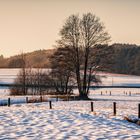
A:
{"points": [[108, 79], [73, 119], [67, 120]]}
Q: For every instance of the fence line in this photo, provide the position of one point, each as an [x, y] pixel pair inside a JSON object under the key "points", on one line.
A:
{"points": [[114, 105]]}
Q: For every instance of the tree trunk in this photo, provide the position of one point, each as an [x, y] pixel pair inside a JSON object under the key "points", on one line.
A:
{"points": [[84, 97], [66, 84], [77, 65], [85, 72], [89, 81]]}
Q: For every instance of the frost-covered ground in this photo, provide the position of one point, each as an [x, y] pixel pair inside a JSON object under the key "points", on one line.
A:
{"points": [[108, 79], [68, 120], [72, 119]]}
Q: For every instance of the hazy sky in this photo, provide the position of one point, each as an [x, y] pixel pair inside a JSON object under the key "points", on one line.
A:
{"points": [[27, 25]]}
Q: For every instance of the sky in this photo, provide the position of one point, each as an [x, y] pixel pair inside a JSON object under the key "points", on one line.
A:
{"points": [[28, 25]]}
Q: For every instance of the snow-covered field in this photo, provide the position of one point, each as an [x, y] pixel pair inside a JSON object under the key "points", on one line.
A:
{"points": [[68, 120], [108, 79], [72, 119]]}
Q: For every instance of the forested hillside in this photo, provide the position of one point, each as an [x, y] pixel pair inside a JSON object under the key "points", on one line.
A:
{"points": [[39, 58], [126, 59], [121, 58]]}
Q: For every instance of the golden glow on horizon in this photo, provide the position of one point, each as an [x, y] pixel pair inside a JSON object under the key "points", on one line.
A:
{"points": [[27, 25]]}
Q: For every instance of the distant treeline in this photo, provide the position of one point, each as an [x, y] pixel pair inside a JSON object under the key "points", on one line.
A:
{"points": [[122, 58], [39, 58], [126, 59]]}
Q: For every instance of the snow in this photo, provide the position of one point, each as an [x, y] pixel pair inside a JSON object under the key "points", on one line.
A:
{"points": [[67, 120], [108, 79], [117, 94], [72, 119]]}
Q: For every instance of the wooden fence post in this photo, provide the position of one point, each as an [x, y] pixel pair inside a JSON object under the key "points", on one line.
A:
{"points": [[101, 93], [114, 108], [50, 104], [9, 102], [57, 98], [110, 93], [74, 97], [92, 107], [41, 99], [27, 100], [139, 111]]}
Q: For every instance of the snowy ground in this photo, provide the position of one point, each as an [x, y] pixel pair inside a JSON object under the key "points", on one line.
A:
{"points": [[73, 119], [68, 120], [108, 79]]}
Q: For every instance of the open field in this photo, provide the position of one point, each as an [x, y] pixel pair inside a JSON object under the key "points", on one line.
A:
{"points": [[108, 79], [68, 120], [73, 119]]}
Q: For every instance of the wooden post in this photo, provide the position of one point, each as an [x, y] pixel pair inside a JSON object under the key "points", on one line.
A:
{"points": [[110, 93], [139, 111], [129, 93], [9, 102], [50, 104], [114, 108], [74, 97], [56, 98], [101, 93], [41, 99], [27, 100], [92, 107]]}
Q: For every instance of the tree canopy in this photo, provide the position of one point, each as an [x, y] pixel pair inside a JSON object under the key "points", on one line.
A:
{"points": [[81, 35]]}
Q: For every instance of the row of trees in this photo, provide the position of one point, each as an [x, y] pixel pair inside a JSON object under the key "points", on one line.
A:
{"points": [[38, 81], [75, 61], [126, 59], [39, 58]]}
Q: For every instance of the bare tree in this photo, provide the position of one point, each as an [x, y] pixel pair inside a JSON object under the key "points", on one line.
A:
{"points": [[62, 73], [22, 79], [81, 35], [31, 81]]}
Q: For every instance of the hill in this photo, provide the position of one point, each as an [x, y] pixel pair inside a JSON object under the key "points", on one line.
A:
{"points": [[39, 58], [121, 58]]}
